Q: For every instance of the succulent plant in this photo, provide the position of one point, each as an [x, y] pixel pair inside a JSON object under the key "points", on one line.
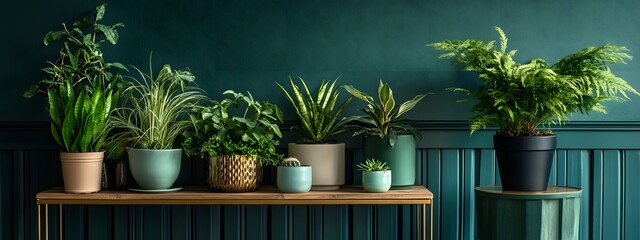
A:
{"points": [[290, 162], [373, 165]]}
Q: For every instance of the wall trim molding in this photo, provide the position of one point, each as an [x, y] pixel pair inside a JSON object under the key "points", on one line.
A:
{"points": [[437, 134]]}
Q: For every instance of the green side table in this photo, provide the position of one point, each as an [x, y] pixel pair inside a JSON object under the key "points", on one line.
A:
{"points": [[552, 214]]}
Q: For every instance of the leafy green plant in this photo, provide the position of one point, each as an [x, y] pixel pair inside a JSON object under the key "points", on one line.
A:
{"points": [[217, 131], [319, 121], [154, 111], [290, 162], [519, 97], [381, 119], [373, 165], [80, 87]]}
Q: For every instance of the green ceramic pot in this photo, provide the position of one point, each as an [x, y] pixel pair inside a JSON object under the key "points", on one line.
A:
{"points": [[155, 169], [376, 181], [294, 179], [401, 158]]}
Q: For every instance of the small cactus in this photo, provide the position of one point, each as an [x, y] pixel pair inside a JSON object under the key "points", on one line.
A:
{"points": [[290, 162]]}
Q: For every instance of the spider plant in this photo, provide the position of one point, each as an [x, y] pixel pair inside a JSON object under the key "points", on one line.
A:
{"points": [[319, 122], [154, 114]]}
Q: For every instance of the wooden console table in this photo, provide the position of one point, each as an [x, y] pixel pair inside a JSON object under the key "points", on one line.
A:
{"points": [[419, 196]]}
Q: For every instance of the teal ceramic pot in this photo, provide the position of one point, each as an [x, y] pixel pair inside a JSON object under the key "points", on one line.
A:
{"points": [[376, 181], [155, 169], [294, 179], [401, 158]]}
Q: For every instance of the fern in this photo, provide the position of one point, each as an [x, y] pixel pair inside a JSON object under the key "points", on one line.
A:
{"points": [[519, 97]]}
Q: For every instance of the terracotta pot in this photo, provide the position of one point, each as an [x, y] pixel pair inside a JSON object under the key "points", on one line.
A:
{"points": [[82, 172]]}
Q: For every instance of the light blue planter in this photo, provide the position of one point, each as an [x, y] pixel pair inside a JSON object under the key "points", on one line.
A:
{"points": [[376, 181], [294, 179], [155, 169]]}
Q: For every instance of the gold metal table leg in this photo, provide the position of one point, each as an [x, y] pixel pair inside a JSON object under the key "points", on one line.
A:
{"points": [[424, 222], [39, 229], [431, 223], [60, 221], [46, 221]]}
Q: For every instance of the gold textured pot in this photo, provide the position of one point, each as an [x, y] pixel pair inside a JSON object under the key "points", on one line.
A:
{"points": [[237, 173]]}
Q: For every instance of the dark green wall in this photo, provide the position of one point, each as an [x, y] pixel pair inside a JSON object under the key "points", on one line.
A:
{"points": [[247, 45]]}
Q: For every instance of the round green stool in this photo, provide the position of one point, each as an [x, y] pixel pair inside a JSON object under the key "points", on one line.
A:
{"points": [[551, 214]]}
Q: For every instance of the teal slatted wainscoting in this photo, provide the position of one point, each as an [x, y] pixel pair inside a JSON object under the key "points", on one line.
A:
{"points": [[603, 160]]}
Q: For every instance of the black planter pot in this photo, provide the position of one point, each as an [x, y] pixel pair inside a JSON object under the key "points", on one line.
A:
{"points": [[524, 162]]}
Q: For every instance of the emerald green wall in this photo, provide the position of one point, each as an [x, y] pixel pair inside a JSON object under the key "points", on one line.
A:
{"points": [[248, 45]]}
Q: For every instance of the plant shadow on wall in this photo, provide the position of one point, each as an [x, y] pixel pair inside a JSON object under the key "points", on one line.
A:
{"points": [[520, 97], [81, 89]]}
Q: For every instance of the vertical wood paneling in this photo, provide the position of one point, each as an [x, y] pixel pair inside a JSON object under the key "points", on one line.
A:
{"points": [[387, 221], [598, 183], [299, 222], [154, 222], [255, 222], [232, 223], [334, 222], [121, 222], [207, 222], [6, 189], [487, 173], [578, 170], [180, 222], [450, 194], [561, 168], [608, 179], [469, 201], [434, 174], [631, 194], [611, 215], [100, 227], [19, 168], [279, 223]]}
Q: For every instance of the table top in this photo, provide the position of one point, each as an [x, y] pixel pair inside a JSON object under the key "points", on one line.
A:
{"points": [[266, 195], [551, 192]]}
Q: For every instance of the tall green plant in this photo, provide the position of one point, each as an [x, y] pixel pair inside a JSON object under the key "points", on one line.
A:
{"points": [[155, 109], [519, 97], [239, 125], [380, 119], [319, 122], [80, 87]]}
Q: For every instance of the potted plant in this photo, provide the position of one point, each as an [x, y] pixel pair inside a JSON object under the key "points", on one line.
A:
{"points": [[292, 177], [319, 124], [519, 97], [81, 89], [235, 146], [388, 136], [376, 176], [152, 117]]}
